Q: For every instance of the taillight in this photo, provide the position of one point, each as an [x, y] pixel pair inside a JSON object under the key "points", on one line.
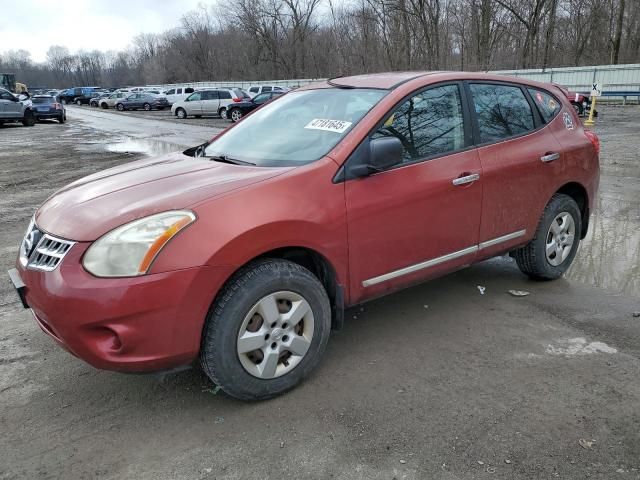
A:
{"points": [[593, 138], [236, 99], [57, 106]]}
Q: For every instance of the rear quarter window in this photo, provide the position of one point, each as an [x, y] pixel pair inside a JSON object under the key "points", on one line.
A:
{"points": [[502, 111], [547, 104], [225, 95]]}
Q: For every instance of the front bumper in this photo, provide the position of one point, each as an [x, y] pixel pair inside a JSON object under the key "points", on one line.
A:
{"points": [[147, 323]]}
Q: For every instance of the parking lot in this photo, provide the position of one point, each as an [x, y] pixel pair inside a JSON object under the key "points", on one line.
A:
{"points": [[445, 380]]}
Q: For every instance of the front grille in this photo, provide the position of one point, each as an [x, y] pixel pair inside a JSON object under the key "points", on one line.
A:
{"points": [[48, 251]]}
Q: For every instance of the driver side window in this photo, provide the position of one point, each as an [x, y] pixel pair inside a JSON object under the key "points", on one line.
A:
{"points": [[428, 124]]}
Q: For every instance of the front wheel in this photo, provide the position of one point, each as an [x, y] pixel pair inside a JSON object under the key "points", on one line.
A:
{"points": [[578, 108], [120, 107], [235, 114], [61, 119], [29, 119], [267, 330], [223, 113], [147, 107], [556, 241], [181, 113], [78, 102]]}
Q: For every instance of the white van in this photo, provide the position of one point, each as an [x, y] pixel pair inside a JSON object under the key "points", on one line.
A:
{"points": [[178, 93], [256, 89]]}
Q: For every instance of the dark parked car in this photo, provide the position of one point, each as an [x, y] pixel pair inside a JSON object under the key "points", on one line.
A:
{"points": [[147, 101], [238, 110], [71, 95], [47, 106]]}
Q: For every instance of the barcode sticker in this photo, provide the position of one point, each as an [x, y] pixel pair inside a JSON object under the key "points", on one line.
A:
{"points": [[337, 126]]}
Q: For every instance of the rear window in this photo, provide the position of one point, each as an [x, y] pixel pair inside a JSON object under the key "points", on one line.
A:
{"points": [[502, 111], [547, 104], [42, 100]]}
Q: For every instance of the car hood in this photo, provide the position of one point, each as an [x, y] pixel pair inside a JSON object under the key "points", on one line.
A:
{"points": [[92, 206]]}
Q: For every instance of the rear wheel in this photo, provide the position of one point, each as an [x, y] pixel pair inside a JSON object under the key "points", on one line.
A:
{"points": [[147, 107], [556, 241], [120, 107], [29, 119], [78, 102], [267, 330], [181, 113], [61, 119]]}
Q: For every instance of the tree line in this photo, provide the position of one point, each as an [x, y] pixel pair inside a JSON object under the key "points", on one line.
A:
{"points": [[284, 39]]}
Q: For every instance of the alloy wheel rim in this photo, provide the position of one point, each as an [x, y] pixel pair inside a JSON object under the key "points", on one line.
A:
{"points": [[223, 113], [235, 115], [560, 239], [275, 335]]}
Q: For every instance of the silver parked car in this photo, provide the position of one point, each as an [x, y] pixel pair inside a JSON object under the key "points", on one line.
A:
{"points": [[210, 101], [16, 108]]}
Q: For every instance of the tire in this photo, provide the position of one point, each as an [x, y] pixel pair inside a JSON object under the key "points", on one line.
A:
{"points": [[160, 108], [223, 113], [235, 114], [120, 107], [237, 311], [181, 113], [29, 119], [147, 107], [578, 108], [104, 106], [79, 103], [61, 119], [198, 116], [533, 259]]}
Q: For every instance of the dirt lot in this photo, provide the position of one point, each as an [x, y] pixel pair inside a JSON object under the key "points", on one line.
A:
{"points": [[436, 382]]}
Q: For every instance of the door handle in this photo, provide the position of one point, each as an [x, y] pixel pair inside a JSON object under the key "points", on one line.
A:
{"points": [[466, 179], [550, 157]]}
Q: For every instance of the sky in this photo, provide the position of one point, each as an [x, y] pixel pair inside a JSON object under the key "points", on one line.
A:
{"points": [[35, 25]]}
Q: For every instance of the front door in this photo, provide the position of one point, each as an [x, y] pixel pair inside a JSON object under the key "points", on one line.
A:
{"points": [[193, 104], [210, 102], [12, 108], [422, 217]]}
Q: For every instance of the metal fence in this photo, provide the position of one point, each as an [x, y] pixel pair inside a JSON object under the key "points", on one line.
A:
{"points": [[614, 78]]}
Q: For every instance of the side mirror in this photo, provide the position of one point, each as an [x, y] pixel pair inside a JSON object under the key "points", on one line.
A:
{"points": [[197, 151], [380, 154]]}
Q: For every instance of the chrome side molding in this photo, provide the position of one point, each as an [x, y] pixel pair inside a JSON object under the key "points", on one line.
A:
{"points": [[444, 258]]}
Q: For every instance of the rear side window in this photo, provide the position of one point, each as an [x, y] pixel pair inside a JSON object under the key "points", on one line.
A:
{"points": [[170, 92], [266, 89], [253, 89], [547, 104], [502, 111], [225, 95], [188, 90], [428, 124]]}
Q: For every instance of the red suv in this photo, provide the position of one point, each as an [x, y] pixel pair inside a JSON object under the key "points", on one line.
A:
{"points": [[244, 251]]}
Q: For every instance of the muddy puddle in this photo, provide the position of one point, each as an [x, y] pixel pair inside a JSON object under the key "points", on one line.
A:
{"points": [[147, 146]]}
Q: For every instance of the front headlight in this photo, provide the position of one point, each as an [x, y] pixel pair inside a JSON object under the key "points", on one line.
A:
{"points": [[129, 250]]}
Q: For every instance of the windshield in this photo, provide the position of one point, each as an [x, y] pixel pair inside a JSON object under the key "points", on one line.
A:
{"points": [[297, 128]]}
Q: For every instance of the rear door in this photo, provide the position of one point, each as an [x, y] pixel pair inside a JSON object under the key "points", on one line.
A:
{"points": [[422, 217], [512, 142]]}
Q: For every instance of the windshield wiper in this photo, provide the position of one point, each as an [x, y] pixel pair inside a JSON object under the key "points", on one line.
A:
{"points": [[227, 159]]}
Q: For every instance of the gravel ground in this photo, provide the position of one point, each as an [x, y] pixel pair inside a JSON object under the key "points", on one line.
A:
{"points": [[436, 382]]}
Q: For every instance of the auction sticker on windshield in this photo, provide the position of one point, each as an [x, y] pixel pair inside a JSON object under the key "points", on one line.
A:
{"points": [[338, 126]]}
